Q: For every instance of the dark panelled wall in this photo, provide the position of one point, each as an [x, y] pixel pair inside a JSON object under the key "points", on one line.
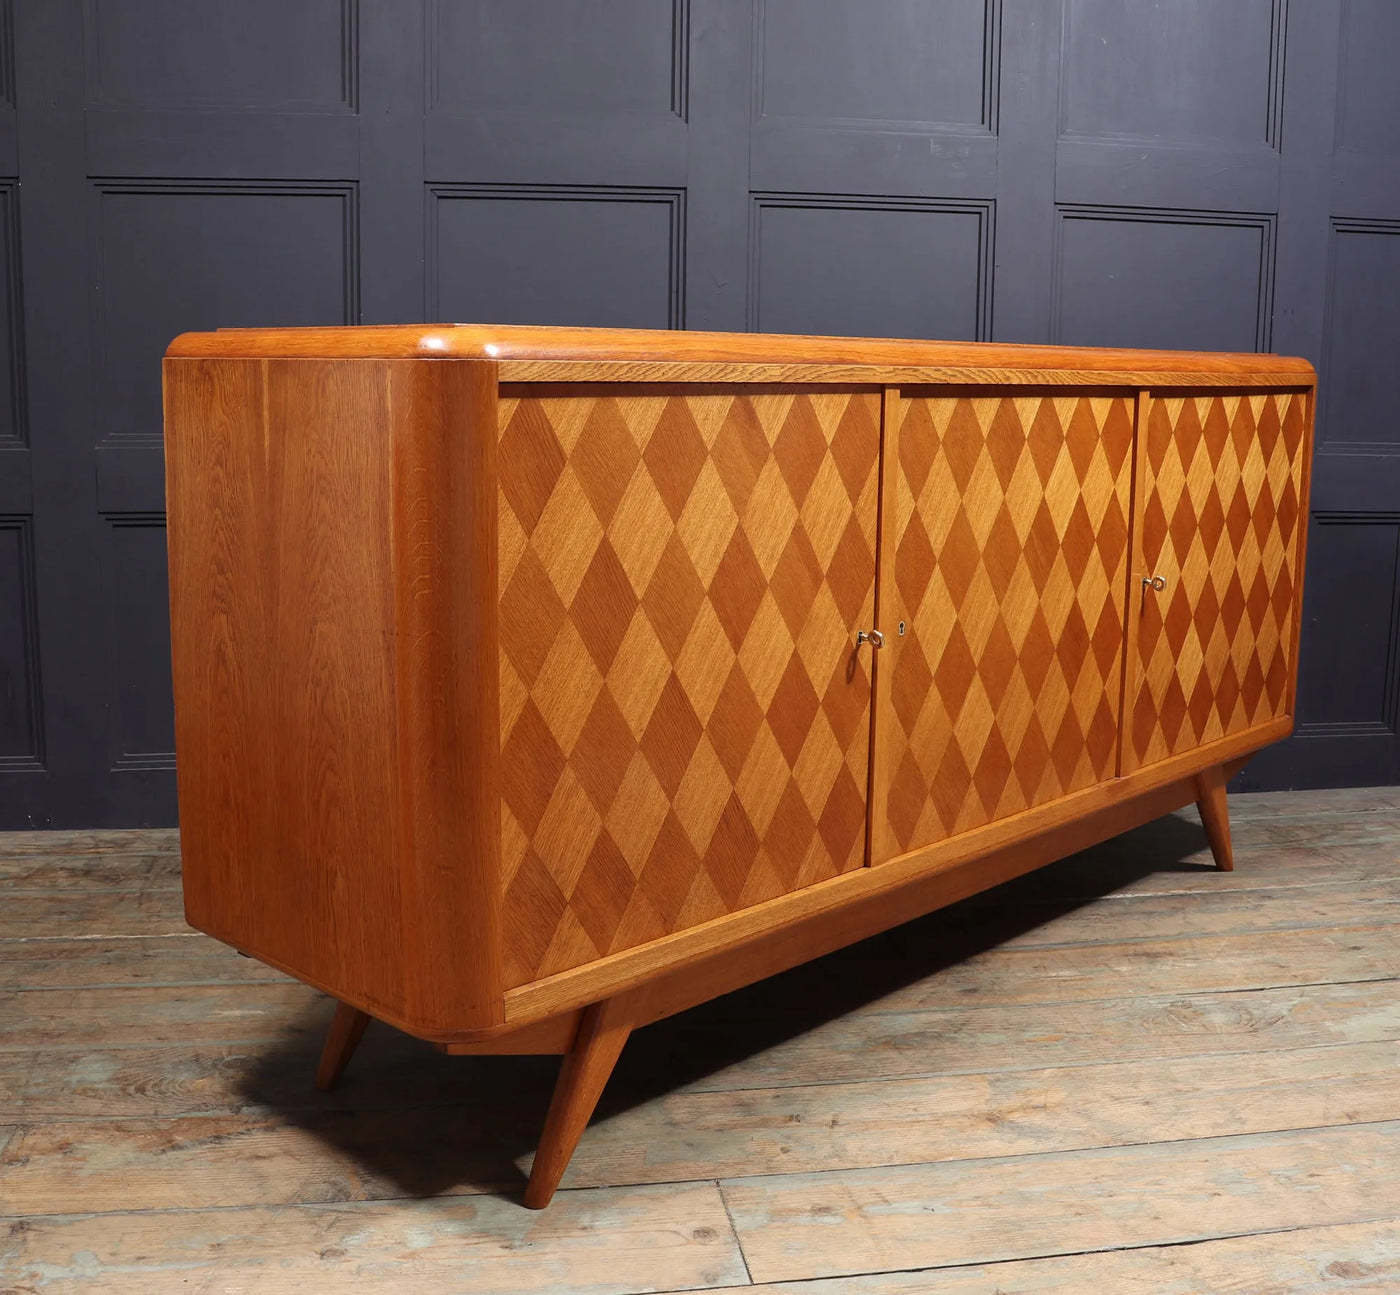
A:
{"points": [[1179, 173]]}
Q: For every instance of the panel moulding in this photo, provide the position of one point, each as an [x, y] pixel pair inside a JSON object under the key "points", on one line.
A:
{"points": [[673, 199], [680, 57], [1273, 103], [991, 77], [1339, 226], [349, 58], [1389, 722], [33, 761], [985, 211], [7, 52], [1265, 222], [14, 431], [123, 759], [346, 191]]}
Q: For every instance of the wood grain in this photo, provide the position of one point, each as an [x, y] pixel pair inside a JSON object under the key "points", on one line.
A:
{"points": [[137, 960], [1346, 1259], [135, 870], [1169, 978], [629, 1239], [504, 343], [1167, 1193], [685, 720], [55, 915], [602, 1033], [18, 846], [1220, 483], [692, 1134], [1001, 1061], [347, 1028], [1009, 551], [826, 1128], [516, 669], [859, 903], [1079, 973], [991, 371], [869, 1045], [329, 568], [1213, 808], [147, 1013]]}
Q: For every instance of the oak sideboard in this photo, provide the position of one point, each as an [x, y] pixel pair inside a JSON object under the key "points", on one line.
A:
{"points": [[534, 684]]}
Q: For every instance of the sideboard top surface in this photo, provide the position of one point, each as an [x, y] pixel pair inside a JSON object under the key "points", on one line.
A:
{"points": [[510, 345]]}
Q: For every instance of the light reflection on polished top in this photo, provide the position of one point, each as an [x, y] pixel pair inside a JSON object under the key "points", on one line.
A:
{"points": [[506, 342]]}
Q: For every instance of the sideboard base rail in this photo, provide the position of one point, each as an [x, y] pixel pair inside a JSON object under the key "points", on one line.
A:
{"points": [[592, 1038]]}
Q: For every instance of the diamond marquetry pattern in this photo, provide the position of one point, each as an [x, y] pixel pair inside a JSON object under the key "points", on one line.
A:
{"points": [[684, 722], [1011, 540], [1221, 482]]}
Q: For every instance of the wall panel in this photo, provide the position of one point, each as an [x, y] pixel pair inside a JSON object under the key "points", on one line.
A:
{"points": [[870, 268], [1180, 280], [1363, 322], [567, 56], [171, 256], [1368, 102], [256, 55], [1348, 676], [21, 727], [142, 733], [916, 61], [12, 369], [1190, 71], [556, 255]]}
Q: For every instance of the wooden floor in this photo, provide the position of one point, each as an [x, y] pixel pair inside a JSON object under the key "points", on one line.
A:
{"points": [[1125, 1073]]}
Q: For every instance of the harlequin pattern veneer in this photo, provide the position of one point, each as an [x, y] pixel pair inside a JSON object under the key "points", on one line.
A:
{"points": [[678, 738], [535, 684]]}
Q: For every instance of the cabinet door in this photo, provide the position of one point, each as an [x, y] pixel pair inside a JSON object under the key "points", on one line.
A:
{"points": [[685, 722], [1212, 651], [1004, 559]]}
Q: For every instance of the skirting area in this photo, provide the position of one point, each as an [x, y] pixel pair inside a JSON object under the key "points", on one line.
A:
{"points": [[1125, 1072]]}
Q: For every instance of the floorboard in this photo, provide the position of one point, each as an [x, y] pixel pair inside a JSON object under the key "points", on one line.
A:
{"points": [[1166, 1193], [1125, 1072], [1348, 1259]]}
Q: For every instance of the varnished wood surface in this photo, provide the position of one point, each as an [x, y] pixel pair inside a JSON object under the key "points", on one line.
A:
{"points": [[348, 1027], [603, 1030], [332, 580], [572, 665], [987, 373], [1212, 806], [684, 715], [538, 711], [812, 921], [501, 342], [1022, 1069], [1010, 544], [1220, 525]]}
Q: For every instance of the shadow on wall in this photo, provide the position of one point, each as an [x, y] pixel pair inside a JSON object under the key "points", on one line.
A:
{"points": [[415, 1122]]}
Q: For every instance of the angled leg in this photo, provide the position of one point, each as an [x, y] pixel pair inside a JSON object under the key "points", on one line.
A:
{"points": [[347, 1028], [1215, 815], [587, 1065]]}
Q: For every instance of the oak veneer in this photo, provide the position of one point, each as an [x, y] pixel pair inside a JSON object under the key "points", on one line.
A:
{"points": [[521, 697]]}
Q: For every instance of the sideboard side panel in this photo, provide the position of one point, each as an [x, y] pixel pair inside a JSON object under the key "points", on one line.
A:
{"points": [[685, 717], [283, 625], [331, 531], [1221, 493], [1010, 556]]}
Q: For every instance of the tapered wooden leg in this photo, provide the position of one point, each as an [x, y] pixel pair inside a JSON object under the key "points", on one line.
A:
{"points": [[601, 1033], [1215, 816], [347, 1028]]}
